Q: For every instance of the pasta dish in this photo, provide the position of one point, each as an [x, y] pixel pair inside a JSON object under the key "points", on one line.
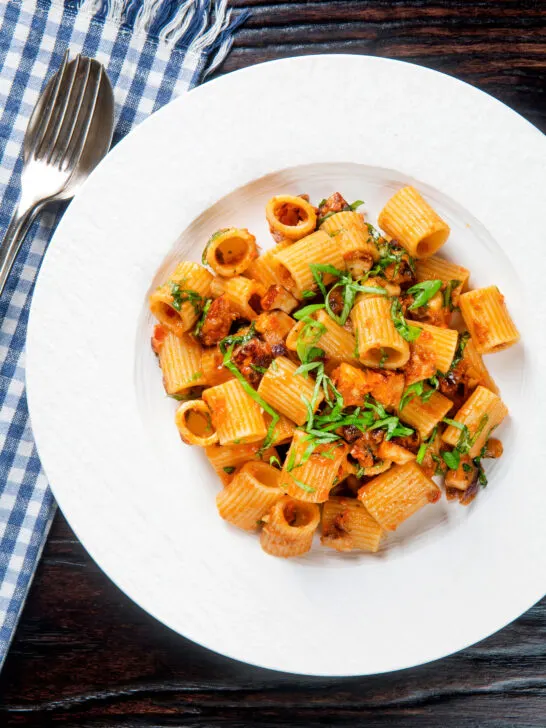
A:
{"points": [[331, 378]]}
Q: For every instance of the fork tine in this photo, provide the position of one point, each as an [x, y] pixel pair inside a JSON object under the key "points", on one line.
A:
{"points": [[79, 138], [52, 132], [52, 97], [72, 113]]}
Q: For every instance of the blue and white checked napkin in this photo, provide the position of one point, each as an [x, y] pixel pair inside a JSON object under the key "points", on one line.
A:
{"points": [[153, 50]]}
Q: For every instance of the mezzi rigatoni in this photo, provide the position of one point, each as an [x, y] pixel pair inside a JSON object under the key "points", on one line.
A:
{"points": [[424, 416], [237, 418], [310, 476], [486, 316], [395, 495], [287, 392], [347, 526], [480, 414], [351, 233], [441, 342], [318, 248], [289, 527], [180, 361], [377, 341], [410, 220], [178, 303], [250, 495]]}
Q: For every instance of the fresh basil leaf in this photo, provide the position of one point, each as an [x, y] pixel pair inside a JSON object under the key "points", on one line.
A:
{"points": [[307, 311], [423, 292], [452, 459], [406, 331]]}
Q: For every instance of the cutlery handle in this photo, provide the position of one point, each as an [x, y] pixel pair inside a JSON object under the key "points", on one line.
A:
{"points": [[15, 234]]}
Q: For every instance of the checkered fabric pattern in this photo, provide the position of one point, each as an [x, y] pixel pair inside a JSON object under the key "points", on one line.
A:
{"points": [[153, 50]]}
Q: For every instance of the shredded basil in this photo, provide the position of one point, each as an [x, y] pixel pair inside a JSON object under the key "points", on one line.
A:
{"points": [[201, 321], [210, 240], [448, 294], [423, 292], [345, 285], [423, 447], [407, 331]]}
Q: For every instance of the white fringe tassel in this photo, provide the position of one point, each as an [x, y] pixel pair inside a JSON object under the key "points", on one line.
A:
{"points": [[175, 30]]}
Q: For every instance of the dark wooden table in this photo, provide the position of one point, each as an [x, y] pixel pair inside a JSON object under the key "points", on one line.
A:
{"points": [[85, 655]]}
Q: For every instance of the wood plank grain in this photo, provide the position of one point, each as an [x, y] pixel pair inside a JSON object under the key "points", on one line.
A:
{"points": [[85, 655]]}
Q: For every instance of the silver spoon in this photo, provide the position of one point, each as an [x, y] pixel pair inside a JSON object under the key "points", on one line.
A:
{"points": [[68, 134]]}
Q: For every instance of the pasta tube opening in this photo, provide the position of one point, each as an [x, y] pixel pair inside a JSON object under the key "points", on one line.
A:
{"points": [[289, 527], [194, 423], [410, 220], [250, 495], [178, 303], [290, 217], [230, 252], [265, 474]]}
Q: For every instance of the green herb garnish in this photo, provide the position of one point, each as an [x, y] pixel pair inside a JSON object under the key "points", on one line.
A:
{"points": [[452, 459], [352, 207], [391, 254], [448, 294], [423, 447], [417, 389], [347, 287], [462, 341], [181, 295], [423, 292], [210, 240], [229, 469], [201, 321], [407, 331], [302, 485]]}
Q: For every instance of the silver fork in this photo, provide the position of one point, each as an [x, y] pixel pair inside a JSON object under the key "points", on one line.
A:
{"points": [[69, 132]]}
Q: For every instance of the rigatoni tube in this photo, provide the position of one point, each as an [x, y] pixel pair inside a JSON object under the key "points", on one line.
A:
{"points": [[229, 252], [177, 304], [486, 317], [351, 233], [290, 217], [243, 294], [316, 248], [309, 471], [289, 527], [410, 220], [377, 340], [336, 341], [480, 414], [286, 391], [347, 525], [436, 268], [250, 495], [237, 418], [394, 496], [441, 342], [180, 362], [424, 416], [194, 423]]}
